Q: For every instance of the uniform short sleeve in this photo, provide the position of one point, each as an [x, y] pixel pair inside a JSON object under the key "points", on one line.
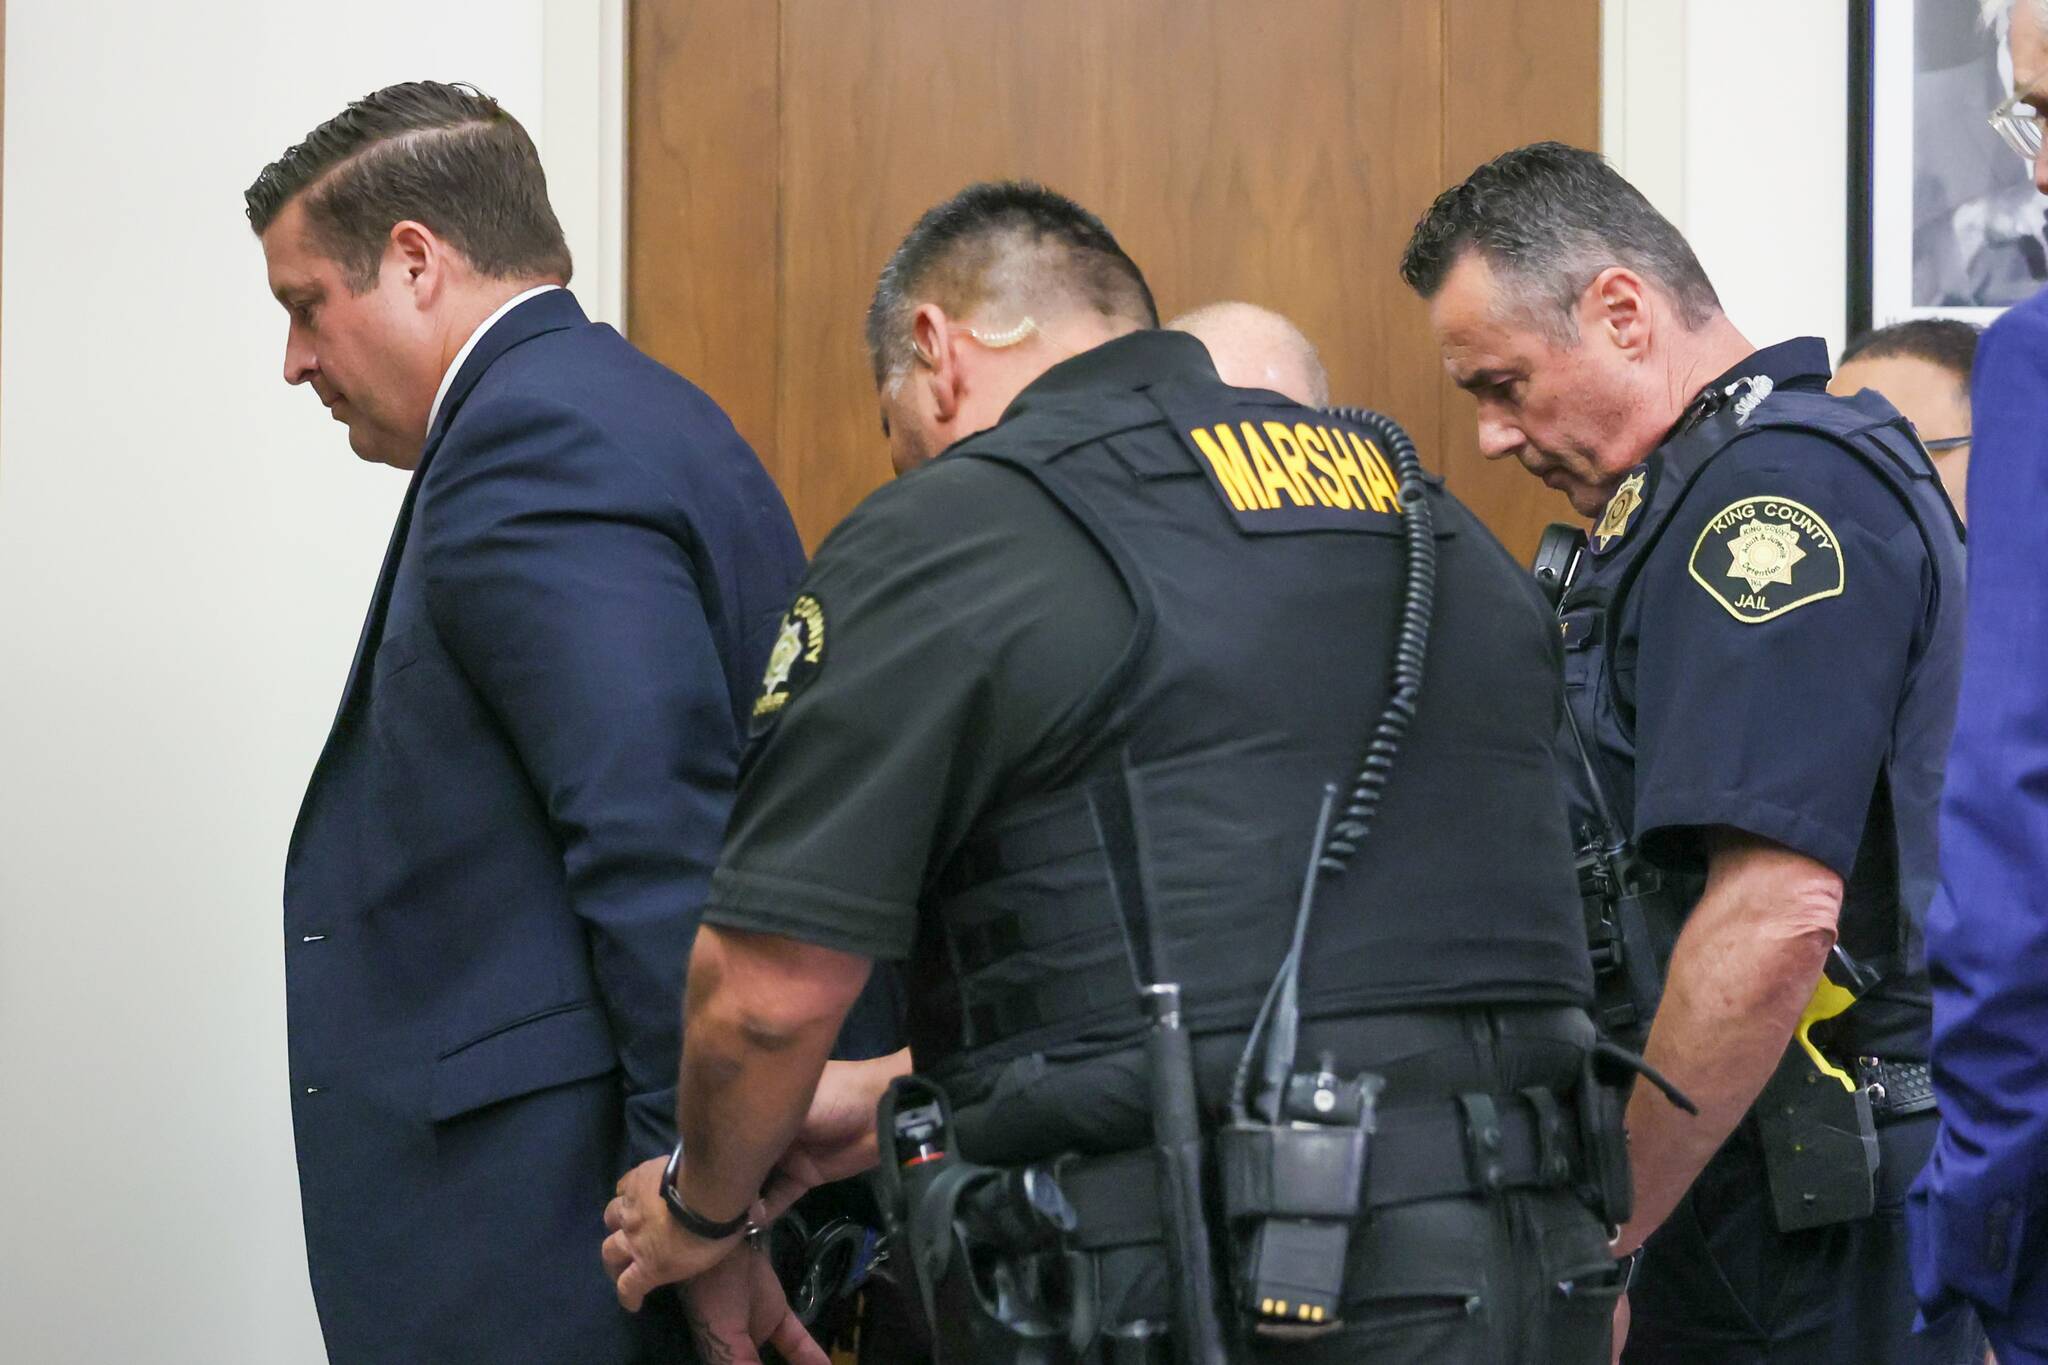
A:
{"points": [[954, 627], [1776, 620]]}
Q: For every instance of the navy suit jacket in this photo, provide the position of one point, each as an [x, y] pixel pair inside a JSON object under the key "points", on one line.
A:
{"points": [[1978, 1215], [506, 843]]}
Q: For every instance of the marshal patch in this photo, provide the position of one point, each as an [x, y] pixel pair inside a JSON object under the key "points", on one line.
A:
{"points": [[1620, 512], [1762, 557], [798, 654], [1276, 477]]}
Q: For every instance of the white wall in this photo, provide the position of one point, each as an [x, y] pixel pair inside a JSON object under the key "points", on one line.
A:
{"points": [[186, 551], [1732, 116]]}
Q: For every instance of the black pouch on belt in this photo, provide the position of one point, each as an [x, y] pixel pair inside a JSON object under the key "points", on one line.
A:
{"points": [[1291, 1191], [1820, 1144], [1602, 1100], [988, 1244], [1818, 1132]]}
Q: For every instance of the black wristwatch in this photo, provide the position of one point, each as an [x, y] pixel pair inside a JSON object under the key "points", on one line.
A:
{"points": [[694, 1223]]}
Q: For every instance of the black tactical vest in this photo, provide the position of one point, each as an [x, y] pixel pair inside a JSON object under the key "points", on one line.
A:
{"points": [[1883, 931], [1260, 543]]}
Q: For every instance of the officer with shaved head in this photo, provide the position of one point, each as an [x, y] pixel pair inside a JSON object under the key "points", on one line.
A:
{"points": [[1056, 715], [1257, 348]]}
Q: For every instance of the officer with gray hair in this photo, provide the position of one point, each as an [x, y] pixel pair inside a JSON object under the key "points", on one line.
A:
{"points": [[1761, 652]]}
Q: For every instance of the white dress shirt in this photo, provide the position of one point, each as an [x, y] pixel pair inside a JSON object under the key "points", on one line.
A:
{"points": [[455, 365]]}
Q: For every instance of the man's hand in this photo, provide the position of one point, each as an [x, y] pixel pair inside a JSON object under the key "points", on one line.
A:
{"points": [[838, 1138], [738, 1304], [647, 1248]]}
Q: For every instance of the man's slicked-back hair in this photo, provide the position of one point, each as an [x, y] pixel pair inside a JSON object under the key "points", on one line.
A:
{"points": [[1012, 243], [1947, 342], [1548, 218], [448, 156]]}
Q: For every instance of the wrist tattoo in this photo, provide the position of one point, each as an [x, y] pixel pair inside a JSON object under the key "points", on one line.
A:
{"points": [[710, 1349]]}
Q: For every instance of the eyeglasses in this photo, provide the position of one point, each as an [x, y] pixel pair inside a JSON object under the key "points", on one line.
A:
{"points": [[1946, 443], [2019, 123]]}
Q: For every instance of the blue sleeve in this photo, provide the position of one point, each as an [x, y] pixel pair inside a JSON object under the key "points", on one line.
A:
{"points": [[1777, 618], [561, 582], [1978, 1210]]}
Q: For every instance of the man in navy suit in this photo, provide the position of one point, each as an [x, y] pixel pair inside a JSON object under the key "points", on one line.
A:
{"points": [[497, 872], [1979, 1214]]}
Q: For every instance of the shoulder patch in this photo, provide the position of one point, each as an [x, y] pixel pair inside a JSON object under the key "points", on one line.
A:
{"points": [[798, 654], [1762, 557]]}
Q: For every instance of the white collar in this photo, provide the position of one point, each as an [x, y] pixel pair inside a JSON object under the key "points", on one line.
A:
{"points": [[455, 365]]}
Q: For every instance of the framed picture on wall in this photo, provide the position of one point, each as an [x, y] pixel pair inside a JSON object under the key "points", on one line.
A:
{"points": [[1944, 220]]}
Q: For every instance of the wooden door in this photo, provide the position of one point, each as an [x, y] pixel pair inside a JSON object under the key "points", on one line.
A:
{"points": [[1271, 150]]}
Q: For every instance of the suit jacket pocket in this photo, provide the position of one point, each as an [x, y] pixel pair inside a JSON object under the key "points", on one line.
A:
{"points": [[571, 1043], [396, 652]]}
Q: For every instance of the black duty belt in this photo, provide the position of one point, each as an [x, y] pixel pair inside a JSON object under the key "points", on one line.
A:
{"points": [[1897, 1089], [1473, 1145]]}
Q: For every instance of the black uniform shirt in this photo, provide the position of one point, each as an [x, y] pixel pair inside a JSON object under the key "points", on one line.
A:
{"points": [[963, 617], [965, 683]]}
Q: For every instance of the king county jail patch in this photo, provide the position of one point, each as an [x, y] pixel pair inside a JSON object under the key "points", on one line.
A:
{"points": [[1762, 557], [798, 654]]}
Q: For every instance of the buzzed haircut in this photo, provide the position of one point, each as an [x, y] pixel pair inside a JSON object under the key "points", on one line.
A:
{"points": [[448, 156], [1009, 242], [1548, 218], [1946, 342]]}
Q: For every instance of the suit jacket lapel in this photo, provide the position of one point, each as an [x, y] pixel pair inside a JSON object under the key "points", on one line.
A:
{"points": [[550, 312], [539, 315], [380, 600]]}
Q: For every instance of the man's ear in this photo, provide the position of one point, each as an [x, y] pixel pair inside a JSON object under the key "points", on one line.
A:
{"points": [[420, 256], [933, 337], [1616, 305]]}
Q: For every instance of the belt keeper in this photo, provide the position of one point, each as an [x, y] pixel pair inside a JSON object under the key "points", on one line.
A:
{"points": [[1483, 1142], [1618, 1018], [1551, 1161]]}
